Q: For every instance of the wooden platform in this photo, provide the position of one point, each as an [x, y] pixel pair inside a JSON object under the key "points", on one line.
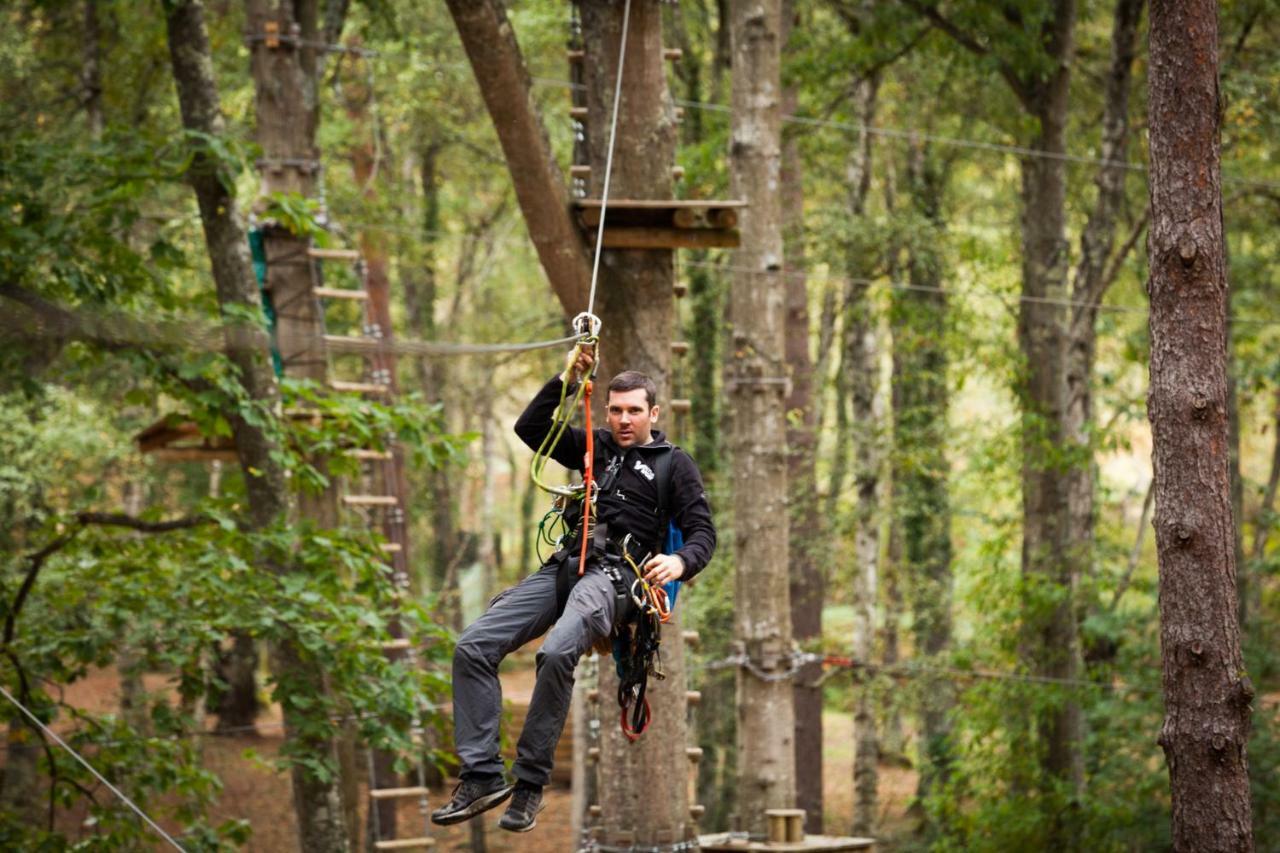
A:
{"points": [[175, 439], [724, 841], [661, 223]]}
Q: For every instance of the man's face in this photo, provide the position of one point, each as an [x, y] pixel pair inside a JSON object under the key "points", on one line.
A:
{"points": [[630, 418]]}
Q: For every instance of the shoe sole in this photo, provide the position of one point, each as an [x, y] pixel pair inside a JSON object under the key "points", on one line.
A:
{"points": [[479, 806], [531, 825]]}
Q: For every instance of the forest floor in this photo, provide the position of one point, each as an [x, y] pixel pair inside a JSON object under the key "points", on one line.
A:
{"points": [[255, 791]]}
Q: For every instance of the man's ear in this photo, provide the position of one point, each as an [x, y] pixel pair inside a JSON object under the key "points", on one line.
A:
{"points": [[653, 415]]}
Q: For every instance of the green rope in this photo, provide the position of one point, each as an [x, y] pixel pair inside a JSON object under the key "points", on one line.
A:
{"points": [[258, 251]]}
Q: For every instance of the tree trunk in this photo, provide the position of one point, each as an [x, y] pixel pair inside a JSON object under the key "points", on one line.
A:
{"points": [[756, 387], [316, 796], [920, 470], [860, 369], [634, 300], [1207, 695], [504, 84], [1051, 641], [1093, 277], [807, 580]]}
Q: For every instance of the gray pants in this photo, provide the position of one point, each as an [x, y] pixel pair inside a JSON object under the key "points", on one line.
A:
{"points": [[515, 617]]}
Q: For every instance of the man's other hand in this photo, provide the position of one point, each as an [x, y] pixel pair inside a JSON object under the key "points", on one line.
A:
{"points": [[663, 568]]}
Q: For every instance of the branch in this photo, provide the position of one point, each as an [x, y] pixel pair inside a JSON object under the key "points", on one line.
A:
{"points": [[1261, 528], [966, 40], [1118, 259], [111, 519], [36, 562], [1135, 556]]}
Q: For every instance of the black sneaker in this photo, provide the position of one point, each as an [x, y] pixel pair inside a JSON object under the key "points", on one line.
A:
{"points": [[522, 814], [470, 798]]}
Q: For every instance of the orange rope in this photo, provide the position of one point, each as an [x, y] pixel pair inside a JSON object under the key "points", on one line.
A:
{"points": [[588, 479]]}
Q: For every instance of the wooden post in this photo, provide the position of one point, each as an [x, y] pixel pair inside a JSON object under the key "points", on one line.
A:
{"points": [[756, 385]]}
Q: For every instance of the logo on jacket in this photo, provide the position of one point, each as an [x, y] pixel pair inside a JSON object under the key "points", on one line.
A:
{"points": [[644, 469]]}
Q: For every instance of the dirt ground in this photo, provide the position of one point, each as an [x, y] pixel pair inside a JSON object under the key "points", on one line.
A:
{"points": [[255, 791]]}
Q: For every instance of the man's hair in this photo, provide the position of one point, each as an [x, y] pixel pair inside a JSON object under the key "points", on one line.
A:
{"points": [[630, 380]]}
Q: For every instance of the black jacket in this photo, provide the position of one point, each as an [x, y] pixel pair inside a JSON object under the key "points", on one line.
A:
{"points": [[630, 503]]}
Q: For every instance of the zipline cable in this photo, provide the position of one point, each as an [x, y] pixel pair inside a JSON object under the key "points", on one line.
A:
{"points": [[78, 757]]}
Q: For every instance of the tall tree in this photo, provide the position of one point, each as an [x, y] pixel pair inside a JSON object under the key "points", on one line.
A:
{"points": [[860, 382], [317, 798], [808, 578], [1207, 695], [1032, 51], [1096, 271], [920, 466], [755, 379]]}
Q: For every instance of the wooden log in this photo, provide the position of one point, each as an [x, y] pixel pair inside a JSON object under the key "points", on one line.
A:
{"points": [[333, 254], [396, 793], [340, 293]]}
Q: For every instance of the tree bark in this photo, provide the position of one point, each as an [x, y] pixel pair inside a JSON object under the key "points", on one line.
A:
{"points": [[495, 57], [1207, 695], [316, 798], [807, 581], [755, 385]]}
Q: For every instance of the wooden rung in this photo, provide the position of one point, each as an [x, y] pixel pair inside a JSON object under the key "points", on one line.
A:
{"points": [[593, 753], [593, 695], [693, 753], [359, 387], [369, 500], [346, 343], [697, 810], [394, 793], [595, 810], [579, 113], [691, 638], [680, 289], [679, 347], [340, 293], [672, 53], [398, 644], [693, 697], [391, 547], [372, 455], [405, 844], [575, 55], [681, 406], [677, 172], [333, 254]]}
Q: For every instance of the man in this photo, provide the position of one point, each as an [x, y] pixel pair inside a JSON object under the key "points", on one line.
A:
{"points": [[579, 611]]}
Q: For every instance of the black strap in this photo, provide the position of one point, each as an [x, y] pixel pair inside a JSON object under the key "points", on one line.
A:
{"points": [[662, 478]]}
